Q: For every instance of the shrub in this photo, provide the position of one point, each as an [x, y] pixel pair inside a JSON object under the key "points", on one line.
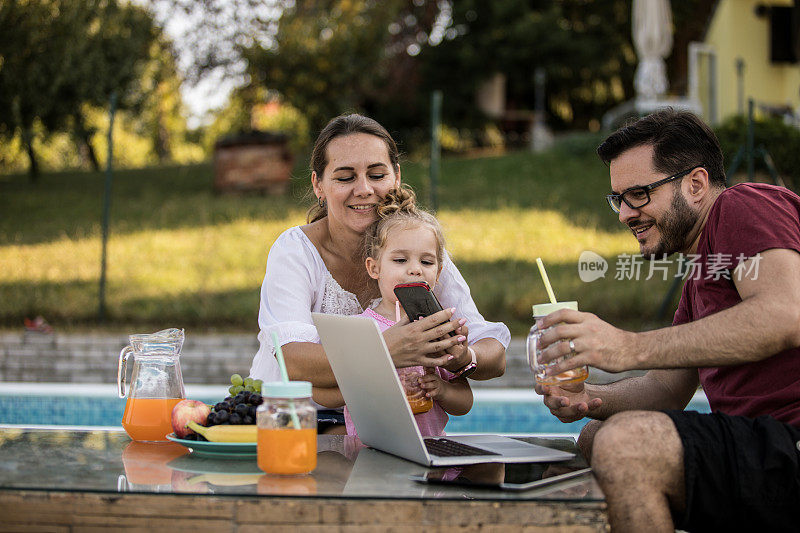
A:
{"points": [[781, 140]]}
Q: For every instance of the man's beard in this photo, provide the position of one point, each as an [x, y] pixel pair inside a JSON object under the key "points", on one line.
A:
{"points": [[673, 227]]}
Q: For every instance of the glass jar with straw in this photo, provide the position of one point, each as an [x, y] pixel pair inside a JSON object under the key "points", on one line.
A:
{"points": [[287, 424], [534, 349]]}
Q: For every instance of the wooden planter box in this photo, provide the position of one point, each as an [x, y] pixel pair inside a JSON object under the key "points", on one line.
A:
{"points": [[253, 161]]}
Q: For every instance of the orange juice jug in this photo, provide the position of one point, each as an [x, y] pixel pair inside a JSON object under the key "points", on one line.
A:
{"points": [[146, 466], [156, 384], [287, 429]]}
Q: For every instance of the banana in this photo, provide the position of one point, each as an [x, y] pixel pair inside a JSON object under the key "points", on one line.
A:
{"points": [[226, 480], [226, 433]]}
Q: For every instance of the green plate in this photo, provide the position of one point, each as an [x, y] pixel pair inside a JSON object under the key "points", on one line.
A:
{"points": [[217, 449], [207, 464]]}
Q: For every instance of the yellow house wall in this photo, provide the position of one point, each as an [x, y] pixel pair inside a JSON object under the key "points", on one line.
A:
{"points": [[736, 31]]}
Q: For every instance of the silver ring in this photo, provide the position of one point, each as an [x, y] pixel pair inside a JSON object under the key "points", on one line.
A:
{"points": [[572, 346]]}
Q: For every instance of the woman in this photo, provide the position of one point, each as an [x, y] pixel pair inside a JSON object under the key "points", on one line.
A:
{"points": [[319, 268]]}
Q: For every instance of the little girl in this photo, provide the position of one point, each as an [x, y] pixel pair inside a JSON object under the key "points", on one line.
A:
{"points": [[406, 245]]}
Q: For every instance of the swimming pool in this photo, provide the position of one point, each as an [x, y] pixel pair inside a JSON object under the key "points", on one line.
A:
{"points": [[513, 411]]}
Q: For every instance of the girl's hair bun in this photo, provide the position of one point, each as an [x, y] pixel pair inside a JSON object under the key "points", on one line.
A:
{"points": [[400, 200], [399, 209]]}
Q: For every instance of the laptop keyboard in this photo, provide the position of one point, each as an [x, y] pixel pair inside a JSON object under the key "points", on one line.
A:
{"points": [[450, 448]]}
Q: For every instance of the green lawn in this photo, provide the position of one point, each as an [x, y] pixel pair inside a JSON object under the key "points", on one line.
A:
{"points": [[180, 255]]}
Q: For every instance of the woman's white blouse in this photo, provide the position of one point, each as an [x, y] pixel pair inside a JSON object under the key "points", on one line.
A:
{"points": [[297, 283]]}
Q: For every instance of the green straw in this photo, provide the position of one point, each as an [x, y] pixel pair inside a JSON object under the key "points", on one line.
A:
{"points": [[546, 280], [285, 376]]}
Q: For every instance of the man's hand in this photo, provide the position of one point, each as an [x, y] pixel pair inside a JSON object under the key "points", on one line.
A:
{"points": [[595, 342], [568, 402]]}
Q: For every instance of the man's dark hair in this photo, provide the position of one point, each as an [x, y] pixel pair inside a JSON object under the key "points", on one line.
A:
{"points": [[680, 141]]}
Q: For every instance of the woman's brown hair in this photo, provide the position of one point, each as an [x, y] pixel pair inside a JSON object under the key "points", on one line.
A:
{"points": [[338, 127]]}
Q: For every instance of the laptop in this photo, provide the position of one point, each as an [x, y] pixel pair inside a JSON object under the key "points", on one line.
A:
{"points": [[372, 391]]}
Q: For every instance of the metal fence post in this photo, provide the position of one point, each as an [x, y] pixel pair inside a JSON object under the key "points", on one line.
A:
{"points": [[750, 150], [436, 150], [101, 311]]}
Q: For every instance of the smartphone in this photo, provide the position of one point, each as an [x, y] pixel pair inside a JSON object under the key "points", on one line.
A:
{"points": [[508, 476], [418, 300]]}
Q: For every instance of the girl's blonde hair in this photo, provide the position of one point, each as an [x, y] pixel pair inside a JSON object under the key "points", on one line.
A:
{"points": [[399, 209]]}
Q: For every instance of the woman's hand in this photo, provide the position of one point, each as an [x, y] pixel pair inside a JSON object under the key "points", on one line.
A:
{"points": [[423, 342], [460, 351]]}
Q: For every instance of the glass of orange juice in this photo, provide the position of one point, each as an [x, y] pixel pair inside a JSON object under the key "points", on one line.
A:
{"points": [[409, 378], [287, 429]]}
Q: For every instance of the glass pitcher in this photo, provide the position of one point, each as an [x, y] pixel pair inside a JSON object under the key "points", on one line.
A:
{"points": [[156, 383], [147, 467]]}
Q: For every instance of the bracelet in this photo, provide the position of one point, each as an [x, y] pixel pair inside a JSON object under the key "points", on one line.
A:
{"points": [[470, 367]]}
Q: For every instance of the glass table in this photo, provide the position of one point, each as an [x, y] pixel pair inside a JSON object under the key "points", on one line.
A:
{"points": [[54, 478]]}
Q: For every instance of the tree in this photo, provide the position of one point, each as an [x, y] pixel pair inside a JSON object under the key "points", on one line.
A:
{"points": [[214, 32], [156, 99], [36, 52], [56, 55], [385, 58], [117, 49], [325, 57], [584, 48]]}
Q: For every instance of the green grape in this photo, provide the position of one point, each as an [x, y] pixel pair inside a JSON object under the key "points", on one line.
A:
{"points": [[236, 380], [257, 385], [236, 389], [248, 382]]}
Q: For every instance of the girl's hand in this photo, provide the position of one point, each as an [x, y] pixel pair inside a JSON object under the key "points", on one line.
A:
{"points": [[454, 397], [423, 342], [434, 386]]}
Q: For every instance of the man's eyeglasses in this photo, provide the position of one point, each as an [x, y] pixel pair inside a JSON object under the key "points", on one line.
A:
{"points": [[637, 197]]}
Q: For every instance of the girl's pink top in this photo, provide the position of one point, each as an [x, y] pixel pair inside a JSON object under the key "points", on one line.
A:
{"points": [[431, 423]]}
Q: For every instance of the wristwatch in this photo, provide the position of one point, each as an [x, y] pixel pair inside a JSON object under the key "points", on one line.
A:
{"points": [[469, 368]]}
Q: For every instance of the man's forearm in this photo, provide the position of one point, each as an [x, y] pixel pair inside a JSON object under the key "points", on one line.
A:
{"points": [[765, 322], [750, 331]]}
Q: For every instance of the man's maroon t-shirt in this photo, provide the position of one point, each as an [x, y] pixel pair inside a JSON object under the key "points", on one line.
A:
{"points": [[745, 220]]}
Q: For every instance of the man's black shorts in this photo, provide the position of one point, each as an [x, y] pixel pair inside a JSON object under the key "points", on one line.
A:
{"points": [[741, 474]]}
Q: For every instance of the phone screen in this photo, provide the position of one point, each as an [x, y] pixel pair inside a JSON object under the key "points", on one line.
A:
{"points": [[510, 476]]}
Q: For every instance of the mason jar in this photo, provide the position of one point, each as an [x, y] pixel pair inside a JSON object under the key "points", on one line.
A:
{"points": [[534, 350], [287, 428]]}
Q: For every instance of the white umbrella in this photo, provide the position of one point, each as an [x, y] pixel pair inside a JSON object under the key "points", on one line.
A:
{"points": [[652, 37]]}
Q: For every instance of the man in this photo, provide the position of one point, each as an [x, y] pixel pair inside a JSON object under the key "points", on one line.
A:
{"points": [[736, 331]]}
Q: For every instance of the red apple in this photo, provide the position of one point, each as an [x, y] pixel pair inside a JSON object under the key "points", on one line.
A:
{"points": [[186, 411]]}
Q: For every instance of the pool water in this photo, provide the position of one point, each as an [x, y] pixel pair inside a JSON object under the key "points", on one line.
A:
{"points": [[49, 404]]}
